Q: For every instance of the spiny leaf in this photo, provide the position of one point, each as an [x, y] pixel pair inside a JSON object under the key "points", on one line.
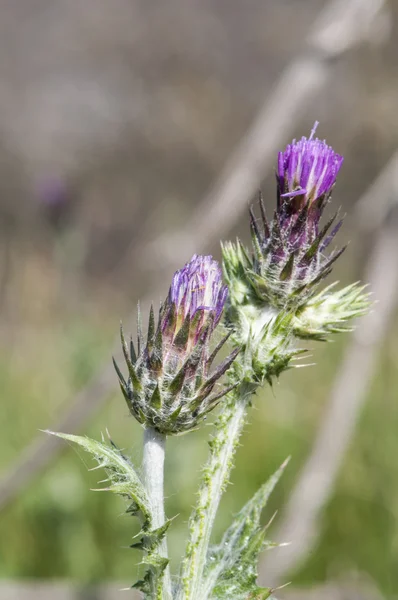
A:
{"points": [[143, 585], [231, 567], [152, 584], [152, 538], [122, 475], [124, 480]]}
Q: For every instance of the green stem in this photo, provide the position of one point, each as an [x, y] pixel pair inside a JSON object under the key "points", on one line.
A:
{"points": [[153, 470], [215, 477]]}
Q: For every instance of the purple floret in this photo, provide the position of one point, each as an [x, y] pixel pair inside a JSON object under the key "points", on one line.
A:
{"points": [[307, 168], [199, 286], [52, 191]]}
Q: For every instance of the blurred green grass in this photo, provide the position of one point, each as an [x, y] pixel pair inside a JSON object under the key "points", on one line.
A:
{"points": [[58, 528]]}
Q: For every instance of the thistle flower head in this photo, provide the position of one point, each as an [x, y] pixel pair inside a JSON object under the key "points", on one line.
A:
{"points": [[170, 386], [307, 170], [289, 257], [306, 174]]}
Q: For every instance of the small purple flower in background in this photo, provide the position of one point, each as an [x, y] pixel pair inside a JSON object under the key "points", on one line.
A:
{"points": [[52, 191], [54, 199], [170, 387]]}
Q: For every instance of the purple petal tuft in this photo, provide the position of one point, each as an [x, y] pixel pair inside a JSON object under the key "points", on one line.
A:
{"points": [[308, 167], [199, 286]]}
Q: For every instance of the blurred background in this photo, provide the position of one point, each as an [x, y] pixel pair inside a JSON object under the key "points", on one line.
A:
{"points": [[132, 134]]}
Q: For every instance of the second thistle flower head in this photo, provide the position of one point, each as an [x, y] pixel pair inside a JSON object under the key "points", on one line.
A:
{"points": [[289, 252], [306, 174], [170, 386], [307, 168]]}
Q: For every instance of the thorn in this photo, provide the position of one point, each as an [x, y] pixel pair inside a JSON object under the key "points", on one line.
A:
{"points": [[271, 520], [280, 587], [284, 545]]}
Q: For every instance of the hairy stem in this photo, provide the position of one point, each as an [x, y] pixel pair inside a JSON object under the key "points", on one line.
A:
{"points": [[153, 471], [215, 477]]}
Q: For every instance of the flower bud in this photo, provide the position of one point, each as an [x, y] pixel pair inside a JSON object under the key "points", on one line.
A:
{"points": [[195, 303], [170, 387]]}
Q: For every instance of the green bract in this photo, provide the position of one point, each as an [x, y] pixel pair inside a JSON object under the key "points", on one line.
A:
{"points": [[169, 385]]}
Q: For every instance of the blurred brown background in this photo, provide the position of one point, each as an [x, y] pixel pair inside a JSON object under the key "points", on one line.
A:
{"points": [[123, 125]]}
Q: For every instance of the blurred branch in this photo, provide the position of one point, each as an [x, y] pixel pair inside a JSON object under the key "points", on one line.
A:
{"points": [[340, 26], [300, 521]]}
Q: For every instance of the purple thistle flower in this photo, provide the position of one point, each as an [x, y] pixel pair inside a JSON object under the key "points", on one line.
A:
{"points": [[288, 251], [170, 385], [307, 169]]}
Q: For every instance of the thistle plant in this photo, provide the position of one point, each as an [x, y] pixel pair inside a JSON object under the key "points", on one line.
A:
{"points": [[271, 300]]}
